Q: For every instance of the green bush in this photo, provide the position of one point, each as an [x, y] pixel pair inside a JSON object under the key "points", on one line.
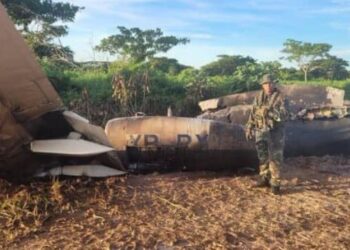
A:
{"points": [[151, 88]]}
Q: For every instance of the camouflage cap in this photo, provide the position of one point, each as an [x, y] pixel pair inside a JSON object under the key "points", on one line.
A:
{"points": [[267, 78]]}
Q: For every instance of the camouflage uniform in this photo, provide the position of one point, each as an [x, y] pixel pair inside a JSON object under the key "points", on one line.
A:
{"points": [[267, 120]]}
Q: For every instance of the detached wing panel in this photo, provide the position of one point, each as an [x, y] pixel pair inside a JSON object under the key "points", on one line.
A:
{"points": [[23, 86]]}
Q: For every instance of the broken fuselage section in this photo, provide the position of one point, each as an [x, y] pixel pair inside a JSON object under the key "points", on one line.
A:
{"points": [[319, 123], [178, 143]]}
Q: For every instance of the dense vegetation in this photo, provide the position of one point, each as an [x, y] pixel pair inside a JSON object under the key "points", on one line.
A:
{"points": [[141, 81], [154, 85]]}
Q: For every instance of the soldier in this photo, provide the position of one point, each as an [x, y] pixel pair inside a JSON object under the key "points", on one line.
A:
{"points": [[267, 119]]}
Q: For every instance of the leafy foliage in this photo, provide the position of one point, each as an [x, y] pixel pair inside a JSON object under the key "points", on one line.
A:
{"points": [[128, 87], [226, 65], [137, 44], [167, 65], [332, 68], [305, 54], [37, 20], [140, 81]]}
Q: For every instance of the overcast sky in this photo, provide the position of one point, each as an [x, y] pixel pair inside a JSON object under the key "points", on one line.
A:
{"points": [[256, 28]]}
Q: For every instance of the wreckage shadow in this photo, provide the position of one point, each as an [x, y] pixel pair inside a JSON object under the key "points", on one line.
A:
{"points": [[329, 186], [208, 174]]}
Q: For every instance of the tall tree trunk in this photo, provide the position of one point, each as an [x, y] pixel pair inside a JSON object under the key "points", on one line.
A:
{"points": [[305, 69]]}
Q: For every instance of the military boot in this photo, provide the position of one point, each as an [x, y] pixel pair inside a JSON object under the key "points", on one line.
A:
{"points": [[275, 180], [264, 176], [276, 190], [262, 182]]}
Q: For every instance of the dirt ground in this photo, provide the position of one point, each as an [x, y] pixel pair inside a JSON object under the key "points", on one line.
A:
{"points": [[197, 210]]}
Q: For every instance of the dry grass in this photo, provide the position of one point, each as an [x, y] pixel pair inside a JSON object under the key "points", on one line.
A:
{"points": [[201, 210]]}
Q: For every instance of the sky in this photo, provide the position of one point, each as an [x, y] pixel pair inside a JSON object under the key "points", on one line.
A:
{"points": [[256, 28]]}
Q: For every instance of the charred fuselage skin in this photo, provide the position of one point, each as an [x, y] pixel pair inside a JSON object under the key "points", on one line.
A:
{"points": [[176, 143], [172, 143], [319, 124], [318, 137]]}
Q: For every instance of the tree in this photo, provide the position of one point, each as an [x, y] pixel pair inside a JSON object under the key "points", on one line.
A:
{"points": [[138, 44], [38, 21], [226, 65], [305, 54], [332, 68], [166, 65], [131, 86], [198, 86], [272, 67], [247, 76], [290, 73]]}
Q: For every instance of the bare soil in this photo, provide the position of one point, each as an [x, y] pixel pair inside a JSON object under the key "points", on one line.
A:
{"points": [[183, 210]]}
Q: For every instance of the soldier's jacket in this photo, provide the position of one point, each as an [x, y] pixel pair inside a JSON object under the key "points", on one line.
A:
{"points": [[268, 111]]}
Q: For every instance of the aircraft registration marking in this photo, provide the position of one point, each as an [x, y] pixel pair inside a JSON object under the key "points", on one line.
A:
{"points": [[151, 140]]}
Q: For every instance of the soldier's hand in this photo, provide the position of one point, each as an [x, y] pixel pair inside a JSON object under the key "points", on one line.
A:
{"points": [[265, 110], [275, 115], [249, 134]]}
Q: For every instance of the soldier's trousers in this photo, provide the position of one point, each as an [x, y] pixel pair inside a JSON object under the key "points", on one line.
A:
{"points": [[269, 145]]}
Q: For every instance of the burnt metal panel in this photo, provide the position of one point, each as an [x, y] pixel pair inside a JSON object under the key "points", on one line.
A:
{"points": [[299, 96], [24, 88]]}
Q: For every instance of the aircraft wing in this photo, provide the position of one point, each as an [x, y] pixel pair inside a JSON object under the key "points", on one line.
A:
{"points": [[24, 89]]}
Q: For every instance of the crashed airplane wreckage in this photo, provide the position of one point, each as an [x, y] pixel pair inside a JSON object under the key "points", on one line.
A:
{"points": [[319, 125], [216, 140], [36, 134], [38, 137]]}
